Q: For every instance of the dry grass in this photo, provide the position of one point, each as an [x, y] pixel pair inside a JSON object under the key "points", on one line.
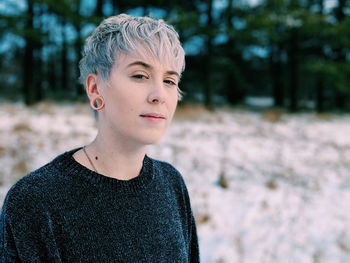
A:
{"points": [[191, 112], [273, 115]]}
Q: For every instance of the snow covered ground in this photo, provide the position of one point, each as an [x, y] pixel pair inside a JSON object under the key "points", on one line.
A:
{"points": [[265, 187]]}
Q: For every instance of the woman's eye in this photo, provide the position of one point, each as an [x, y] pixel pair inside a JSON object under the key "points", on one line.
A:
{"points": [[140, 76], [168, 81]]}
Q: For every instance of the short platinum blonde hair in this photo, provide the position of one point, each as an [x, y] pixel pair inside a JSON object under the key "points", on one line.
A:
{"points": [[129, 34]]}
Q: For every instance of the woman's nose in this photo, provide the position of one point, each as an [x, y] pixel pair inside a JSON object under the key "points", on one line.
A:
{"points": [[157, 93]]}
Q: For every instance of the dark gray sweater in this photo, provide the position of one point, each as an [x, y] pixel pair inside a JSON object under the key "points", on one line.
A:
{"points": [[64, 212]]}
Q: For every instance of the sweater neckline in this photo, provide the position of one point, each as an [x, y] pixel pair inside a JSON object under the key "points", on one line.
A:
{"points": [[66, 162]]}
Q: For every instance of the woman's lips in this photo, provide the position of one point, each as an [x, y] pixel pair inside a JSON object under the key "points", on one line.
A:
{"points": [[155, 117]]}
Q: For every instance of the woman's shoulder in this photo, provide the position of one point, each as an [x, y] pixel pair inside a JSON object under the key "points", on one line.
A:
{"points": [[169, 172], [165, 166], [39, 184], [27, 193]]}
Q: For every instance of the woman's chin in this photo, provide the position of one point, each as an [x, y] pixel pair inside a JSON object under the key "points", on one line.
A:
{"points": [[151, 140]]}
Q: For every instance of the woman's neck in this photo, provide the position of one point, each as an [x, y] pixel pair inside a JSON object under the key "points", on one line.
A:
{"points": [[112, 158]]}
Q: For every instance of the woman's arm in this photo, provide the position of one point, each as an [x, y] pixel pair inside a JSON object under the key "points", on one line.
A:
{"points": [[194, 249], [8, 252], [25, 228]]}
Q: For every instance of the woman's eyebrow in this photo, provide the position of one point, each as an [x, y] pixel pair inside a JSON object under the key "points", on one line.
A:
{"points": [[170, 72], [140, 63], [148, 66]]}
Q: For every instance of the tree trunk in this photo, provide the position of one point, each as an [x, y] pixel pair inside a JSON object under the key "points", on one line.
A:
{"points": [[340, 100], [276, 75], [340, 52], [340, 10], [30, 90], [208, 88], [320, 82], [78, 45], [65, 87], [320, 95], [232, 93], [293, 71], [99, 8], [52, 74]]}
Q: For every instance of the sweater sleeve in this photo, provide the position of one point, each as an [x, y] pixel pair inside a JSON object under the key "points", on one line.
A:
{"points": [[8, 251], [26, 235], [194, 249], [194, 256]]}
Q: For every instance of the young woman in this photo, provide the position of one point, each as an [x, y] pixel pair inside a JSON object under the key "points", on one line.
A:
{"points": [[108, 201]]}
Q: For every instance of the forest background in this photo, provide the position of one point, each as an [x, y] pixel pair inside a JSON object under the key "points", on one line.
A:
{"points": [[265, 186], [296, 53]]}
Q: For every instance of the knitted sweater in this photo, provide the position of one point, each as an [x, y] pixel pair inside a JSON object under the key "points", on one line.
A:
{"points": [[64, 212]]}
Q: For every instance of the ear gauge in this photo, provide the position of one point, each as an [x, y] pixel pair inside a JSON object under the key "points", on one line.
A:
{"points": [[97, 103]]}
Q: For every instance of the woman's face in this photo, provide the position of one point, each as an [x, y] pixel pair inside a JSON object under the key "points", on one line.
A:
{"points": [[140, 99]]}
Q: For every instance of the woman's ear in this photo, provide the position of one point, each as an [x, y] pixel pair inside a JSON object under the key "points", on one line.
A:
{"points": [[92, 87]]}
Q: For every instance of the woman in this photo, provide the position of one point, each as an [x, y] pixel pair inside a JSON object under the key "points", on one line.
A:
{"points": [[108, 201]]}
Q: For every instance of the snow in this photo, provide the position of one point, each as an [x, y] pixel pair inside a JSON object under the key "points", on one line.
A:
{"points": [[263, 189]]}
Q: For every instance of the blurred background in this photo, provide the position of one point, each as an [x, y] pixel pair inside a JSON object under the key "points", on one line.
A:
{"points": [[294, 53], [262, 136]]}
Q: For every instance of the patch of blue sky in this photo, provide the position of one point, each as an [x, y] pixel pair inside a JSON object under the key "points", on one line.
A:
{"points": [[138, 11], [54, 30], [203, 18], [156, 13], [218, 7], [220, 4], [194, 45], [12, 7], [253, 2], [57, 32], [220, 39], [255, 51], [10, 41], [87, 29], [239, 23], [328, 4], [108, 8], [47, 51], [70, 33], [87, 7], [46, 22], [202, 7]]}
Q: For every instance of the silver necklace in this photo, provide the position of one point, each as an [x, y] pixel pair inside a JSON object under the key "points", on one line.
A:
{"points": [[93, 166]]}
